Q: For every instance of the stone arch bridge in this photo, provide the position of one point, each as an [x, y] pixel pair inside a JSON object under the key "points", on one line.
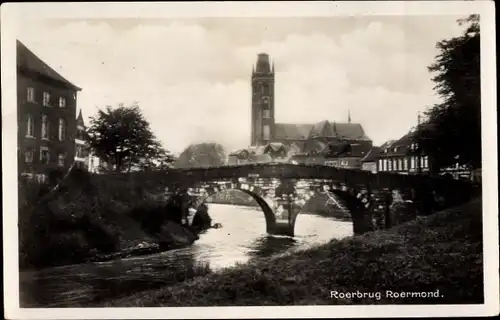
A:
{"points": [[281, 190]]}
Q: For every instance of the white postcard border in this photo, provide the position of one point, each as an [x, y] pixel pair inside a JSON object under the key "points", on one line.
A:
{"points": [[12, 14]]}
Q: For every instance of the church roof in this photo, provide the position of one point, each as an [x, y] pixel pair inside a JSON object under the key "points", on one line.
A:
{"points": [[292, 131], [27, 60], [350, 131]]}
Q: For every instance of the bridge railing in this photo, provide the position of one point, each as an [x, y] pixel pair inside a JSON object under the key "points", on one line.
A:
{"points": [[351, 177]]}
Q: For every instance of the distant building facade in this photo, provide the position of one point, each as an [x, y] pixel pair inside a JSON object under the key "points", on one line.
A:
{"points": [[271, 152], [401, 156], [82, 152], [308, 143], [84, 158], [46, 115]]}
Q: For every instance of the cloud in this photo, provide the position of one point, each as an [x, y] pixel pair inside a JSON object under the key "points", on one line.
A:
{"points": [[192, 77]]}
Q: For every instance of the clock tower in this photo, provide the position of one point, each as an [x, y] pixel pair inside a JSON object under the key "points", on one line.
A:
{"points": [[262, 101]]}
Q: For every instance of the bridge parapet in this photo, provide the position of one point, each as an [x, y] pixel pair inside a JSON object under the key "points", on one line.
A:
{"points": [[363, 193]]}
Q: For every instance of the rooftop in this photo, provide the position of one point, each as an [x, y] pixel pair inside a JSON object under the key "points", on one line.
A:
{"points": [[27, 60]]}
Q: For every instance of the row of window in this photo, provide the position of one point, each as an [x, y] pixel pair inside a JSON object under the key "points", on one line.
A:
{"points": [[413, 147], [29, 155], [335, 163], [30, 128], [402, 164], [45, 98]]}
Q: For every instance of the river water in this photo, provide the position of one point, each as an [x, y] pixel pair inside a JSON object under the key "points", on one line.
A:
{"points": [[241, 238]]}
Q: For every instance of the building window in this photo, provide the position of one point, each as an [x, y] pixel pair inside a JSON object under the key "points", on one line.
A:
{"points": [[421, 162], [412, 164], [385, 165], [79, 152], [44, 155], [28, 155], [395, 164], [267, 132], [400, 164], [265, 88], [267, 113], [61, 158], [389, 165], [62, 129], [395, 149], [45, 127], [80, 134], [31, 94], [405, 162], [62, 102], [380, 165], [46, 99], [426, 162], [30, 126]]}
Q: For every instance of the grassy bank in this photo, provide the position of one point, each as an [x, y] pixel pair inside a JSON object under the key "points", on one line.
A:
{"points": [[92, 217], [439, 252]]}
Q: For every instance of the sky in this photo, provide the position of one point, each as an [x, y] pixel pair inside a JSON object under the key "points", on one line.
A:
{"points": [[191, 77]]}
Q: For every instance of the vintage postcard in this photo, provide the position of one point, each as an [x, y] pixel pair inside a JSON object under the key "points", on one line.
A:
{"points": [[249, 159]]}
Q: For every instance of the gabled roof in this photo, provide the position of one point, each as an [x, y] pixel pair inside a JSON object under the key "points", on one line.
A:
{"points": [[387, 144], [276, 146], [350, 131], [27, 60], [256, 150]]}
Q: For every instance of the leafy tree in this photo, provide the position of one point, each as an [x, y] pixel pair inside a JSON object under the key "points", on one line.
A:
{"points": [[122, 137], [452, 132], [202, 155]]}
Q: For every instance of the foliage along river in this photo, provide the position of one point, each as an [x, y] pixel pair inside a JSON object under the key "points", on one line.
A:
{"points": [[241, 238]]}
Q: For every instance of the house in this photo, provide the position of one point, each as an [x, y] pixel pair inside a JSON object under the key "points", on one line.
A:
{"points": [[84, 158], [82, 153], [402, 156], [369, 162], [271, 152], [46, 116]]}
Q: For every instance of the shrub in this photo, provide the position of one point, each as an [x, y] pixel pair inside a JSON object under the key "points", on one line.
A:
{"points": [[63, 227]]}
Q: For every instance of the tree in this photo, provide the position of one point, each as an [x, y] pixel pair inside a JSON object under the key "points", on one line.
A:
{"points": [[122, 137], [202, 155], [452, 132]]}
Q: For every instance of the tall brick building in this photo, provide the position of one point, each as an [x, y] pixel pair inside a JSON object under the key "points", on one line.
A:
{"points": [[46, 115], [311, 138]]}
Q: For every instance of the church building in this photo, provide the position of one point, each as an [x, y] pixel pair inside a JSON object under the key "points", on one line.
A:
{"points": [[326, 138]]}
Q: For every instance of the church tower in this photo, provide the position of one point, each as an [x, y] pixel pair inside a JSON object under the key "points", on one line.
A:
{"points": [[262, 101]]}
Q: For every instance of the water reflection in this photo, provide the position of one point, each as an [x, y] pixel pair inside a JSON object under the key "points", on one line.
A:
{"points": [[269, 245], [242, 238]]}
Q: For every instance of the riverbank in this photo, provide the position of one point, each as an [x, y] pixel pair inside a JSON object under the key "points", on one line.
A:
{"points": [[98, 218], [439, 252]]}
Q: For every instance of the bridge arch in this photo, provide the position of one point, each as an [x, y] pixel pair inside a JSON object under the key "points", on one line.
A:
{"points": [[206, 190], [357, 201]]}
